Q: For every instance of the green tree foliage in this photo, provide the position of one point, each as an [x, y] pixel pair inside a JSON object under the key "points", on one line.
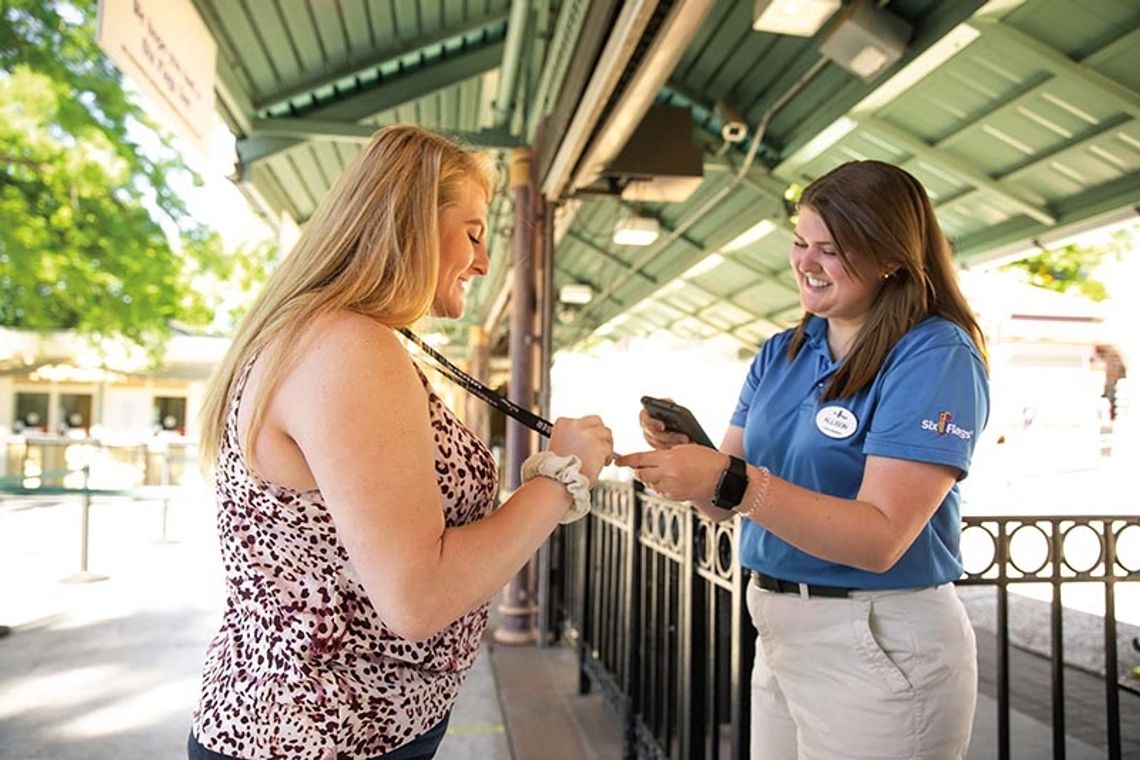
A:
{"points": [[1069, 268], [92, 233]]}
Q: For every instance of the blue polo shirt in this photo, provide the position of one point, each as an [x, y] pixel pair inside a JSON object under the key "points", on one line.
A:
{"points": [[928, 403]]}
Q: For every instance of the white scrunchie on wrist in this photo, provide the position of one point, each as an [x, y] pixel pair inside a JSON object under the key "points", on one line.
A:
{"points": [[568, 472]]}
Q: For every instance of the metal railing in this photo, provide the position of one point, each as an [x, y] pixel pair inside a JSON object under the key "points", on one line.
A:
{"points": [[87, 469], [651, 595], [1062, 551], [46, 460]]}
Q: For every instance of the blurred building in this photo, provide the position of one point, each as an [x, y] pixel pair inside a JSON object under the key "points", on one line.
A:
{"points": [[58, 389]]}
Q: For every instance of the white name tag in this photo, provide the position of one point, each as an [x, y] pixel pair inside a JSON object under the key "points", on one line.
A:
{"points": [[836, 422]]}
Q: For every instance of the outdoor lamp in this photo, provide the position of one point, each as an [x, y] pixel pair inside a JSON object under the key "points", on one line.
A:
{"points": [[577, 293], [636, 230], [801, 18]]}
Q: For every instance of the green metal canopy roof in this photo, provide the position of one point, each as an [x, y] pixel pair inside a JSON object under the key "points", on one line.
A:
{"points": [[1020, 118]]}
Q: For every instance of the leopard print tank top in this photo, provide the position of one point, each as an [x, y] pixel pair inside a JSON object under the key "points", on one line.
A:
{"points": [[303, 667]]}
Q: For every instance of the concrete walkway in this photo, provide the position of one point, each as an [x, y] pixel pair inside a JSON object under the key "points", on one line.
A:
{"points": [[109, 669]]}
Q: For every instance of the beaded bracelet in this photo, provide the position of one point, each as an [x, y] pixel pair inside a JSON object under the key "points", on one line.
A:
{"points": [[760, 498]]}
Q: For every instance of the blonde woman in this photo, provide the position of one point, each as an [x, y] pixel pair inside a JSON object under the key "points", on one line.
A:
{"points": [[354, 509]]}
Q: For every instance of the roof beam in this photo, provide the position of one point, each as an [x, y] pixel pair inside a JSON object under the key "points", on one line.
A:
{"points": [[704, 250], [651, 280], [232, 98], [404, 89], [955, 165], [1006, 103], [254, 150], [631, 269], [612, 257], [1034, 88], [353, 69], [1056, 61], [1120, 195], [235, 104], [757, 177], [400, 90], [1037, 159], [353, 132], [1108, 52], [313, 129], [672, 236]]}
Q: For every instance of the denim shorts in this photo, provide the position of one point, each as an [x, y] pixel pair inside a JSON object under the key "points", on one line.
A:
{"points": [[421, 748]]}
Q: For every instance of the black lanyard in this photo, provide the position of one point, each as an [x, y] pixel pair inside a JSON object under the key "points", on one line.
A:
{"points": [[473, 386]]}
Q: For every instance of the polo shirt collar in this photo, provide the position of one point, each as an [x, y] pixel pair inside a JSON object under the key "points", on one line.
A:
{"points": [[815, 334], [815, 340]]}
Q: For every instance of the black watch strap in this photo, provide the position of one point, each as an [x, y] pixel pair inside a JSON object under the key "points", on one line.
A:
{"points": [[732, 484]]}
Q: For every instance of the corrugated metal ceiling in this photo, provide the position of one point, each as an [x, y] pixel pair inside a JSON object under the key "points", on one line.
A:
{"points": [[1029, 125], [1026, 124]]}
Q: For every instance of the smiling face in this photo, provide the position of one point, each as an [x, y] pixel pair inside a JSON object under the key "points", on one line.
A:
{"points": [[840, 294], [462, 250]]}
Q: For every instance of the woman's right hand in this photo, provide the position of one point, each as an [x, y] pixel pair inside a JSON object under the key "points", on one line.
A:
{"points": [[657, 436], [587, 438]]}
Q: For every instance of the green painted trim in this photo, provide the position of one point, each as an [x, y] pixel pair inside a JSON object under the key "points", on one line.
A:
{"points": [[392, 94], [356, 68], [955, 165], [1127, 98], [1020, 232], [254, 149], [353, 132], [567, 29]]}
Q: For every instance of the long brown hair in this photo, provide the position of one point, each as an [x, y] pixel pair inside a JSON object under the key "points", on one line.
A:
{"points": [[880, 211], [371, 246]]}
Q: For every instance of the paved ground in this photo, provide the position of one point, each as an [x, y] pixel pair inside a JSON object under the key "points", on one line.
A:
{"points": [[109, 669]]}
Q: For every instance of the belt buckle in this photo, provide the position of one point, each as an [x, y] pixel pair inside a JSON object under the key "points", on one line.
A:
{"points": [[804, 591]]}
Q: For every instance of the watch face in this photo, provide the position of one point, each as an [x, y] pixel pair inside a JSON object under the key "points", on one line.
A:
{"points": [[732, 484]]}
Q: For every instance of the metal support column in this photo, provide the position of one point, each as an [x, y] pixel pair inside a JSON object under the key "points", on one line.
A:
{"points": [[544, 255], [518, 611]]}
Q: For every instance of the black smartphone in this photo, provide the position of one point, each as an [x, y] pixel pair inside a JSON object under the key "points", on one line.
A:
{"points": [[677, 419]]}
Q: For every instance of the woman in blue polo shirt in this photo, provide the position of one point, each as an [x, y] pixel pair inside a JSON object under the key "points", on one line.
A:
{"points": [[844, 454]]}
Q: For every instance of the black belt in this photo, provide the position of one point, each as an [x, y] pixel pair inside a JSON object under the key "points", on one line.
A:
{"points": [[803, 589]]}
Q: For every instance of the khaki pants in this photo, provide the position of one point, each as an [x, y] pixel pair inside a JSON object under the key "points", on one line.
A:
{"points": [[881, 675]]}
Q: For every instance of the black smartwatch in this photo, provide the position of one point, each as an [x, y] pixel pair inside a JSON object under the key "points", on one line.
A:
{"points": [[732, 484]]}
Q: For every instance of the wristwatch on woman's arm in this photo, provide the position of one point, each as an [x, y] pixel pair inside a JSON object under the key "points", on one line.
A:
{"points": [[732, 484]]}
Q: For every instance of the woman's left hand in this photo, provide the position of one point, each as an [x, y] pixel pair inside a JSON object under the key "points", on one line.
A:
{"points": [[683, 473]]}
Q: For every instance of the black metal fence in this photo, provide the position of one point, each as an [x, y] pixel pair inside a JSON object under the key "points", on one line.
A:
{"points": [[650, 594]]}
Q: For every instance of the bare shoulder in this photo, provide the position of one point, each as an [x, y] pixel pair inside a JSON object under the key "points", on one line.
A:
{"points": [[348, 330], [348, 354], [353, 341]]}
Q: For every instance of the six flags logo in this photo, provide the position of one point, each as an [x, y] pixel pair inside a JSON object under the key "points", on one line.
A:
{"points": [[945, 426]]}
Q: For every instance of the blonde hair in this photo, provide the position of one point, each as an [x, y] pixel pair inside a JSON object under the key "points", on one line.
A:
{"points": [[371, 247], [882, 212]]}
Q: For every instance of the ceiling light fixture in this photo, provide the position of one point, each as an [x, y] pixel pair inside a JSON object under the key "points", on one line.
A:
{"points": [[577, 293], [636, 230], [801, 18]]}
